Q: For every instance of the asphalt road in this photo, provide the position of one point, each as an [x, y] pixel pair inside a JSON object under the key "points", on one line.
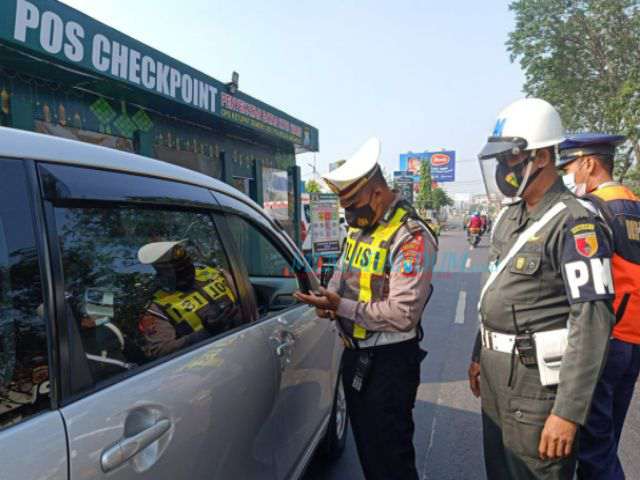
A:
{"points": [[448, 436]]}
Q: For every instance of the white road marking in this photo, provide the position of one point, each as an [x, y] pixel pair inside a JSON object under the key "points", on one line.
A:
{"points": [[467, 264], [460, 308]]}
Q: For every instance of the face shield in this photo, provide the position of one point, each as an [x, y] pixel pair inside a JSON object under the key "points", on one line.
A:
{"points": [[504, 182]]}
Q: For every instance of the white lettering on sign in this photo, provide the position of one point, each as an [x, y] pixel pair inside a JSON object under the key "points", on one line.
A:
{"points": [[119, 60], [101, 50], [27, 16], [134, 66], [148, 73], [57, 36], [174, 82], [51, 32], [163, 79], [74, 49], [187, 88]]}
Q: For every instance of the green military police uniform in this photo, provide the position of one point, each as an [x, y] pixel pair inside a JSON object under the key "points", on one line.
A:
{"points": [[559, 278]]}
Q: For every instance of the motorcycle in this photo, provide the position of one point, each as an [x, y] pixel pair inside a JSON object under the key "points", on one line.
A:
{"points": [[473, 236]]}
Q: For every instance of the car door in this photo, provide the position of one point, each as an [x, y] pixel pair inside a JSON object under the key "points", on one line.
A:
{"points": [[32, 436], [136, 409], [305, 347]]}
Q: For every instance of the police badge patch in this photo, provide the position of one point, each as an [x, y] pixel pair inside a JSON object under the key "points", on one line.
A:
{"points": [[586, 244]]}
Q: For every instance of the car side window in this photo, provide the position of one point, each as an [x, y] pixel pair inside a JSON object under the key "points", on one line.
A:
{"points": [[272, 274], [142, 283], [24, 371]]}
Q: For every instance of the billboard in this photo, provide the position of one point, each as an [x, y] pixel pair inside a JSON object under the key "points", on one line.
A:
{"points": [[443, 164]]}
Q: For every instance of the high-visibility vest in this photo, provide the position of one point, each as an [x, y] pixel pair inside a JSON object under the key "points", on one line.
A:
{"points": [[368, 256], [182, 308], [621, 209]]}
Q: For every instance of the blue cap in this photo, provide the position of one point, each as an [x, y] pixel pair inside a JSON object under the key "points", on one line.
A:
{"points": [[582, 144]]}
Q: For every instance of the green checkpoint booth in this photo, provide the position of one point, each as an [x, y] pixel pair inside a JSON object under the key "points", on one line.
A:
{"points": [[63, 73]]}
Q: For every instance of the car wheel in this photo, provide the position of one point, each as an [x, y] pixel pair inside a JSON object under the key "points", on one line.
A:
{"points": [[336, 437]]}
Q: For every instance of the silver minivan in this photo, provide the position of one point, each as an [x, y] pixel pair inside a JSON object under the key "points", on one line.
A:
{"points": [[81, 397]]}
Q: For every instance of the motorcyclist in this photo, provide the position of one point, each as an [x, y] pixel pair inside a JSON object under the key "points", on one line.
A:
{"points": [[474, 225]]}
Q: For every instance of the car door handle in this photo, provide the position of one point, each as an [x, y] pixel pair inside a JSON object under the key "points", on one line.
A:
{"points": [[126, 448], [284, 347]]}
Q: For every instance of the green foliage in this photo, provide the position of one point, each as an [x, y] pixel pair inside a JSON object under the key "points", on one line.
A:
{"points": [[311, 186], [583, 56], [423, 200], [439, 199]]}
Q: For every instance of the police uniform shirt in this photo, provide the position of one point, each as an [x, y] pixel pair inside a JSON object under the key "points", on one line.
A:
{"points": [[413, 253], [563, 272]]}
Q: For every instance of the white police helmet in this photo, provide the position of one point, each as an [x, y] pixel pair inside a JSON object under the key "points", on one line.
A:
{"points": [[527, 124]]}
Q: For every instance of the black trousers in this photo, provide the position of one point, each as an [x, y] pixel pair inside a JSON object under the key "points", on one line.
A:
{"points": [[382, 412]]}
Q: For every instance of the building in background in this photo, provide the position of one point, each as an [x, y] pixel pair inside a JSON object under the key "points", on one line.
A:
{"points": [[63, 73]]}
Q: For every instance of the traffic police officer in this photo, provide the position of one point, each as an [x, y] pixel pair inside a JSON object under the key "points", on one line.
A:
{"points": [[587, 160], [191, 303], [545, 309], [377, 295]]}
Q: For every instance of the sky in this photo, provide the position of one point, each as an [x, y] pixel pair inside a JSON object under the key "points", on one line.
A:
{"points": [[420, 75]]}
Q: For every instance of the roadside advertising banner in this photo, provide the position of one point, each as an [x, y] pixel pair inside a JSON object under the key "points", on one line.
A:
{"points": [[443, 164], [325, 224]]}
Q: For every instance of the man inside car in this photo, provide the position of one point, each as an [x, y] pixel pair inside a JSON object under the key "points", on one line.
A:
{"points": [[190, 303]]}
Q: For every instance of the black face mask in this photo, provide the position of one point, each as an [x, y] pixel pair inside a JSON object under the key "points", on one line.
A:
{"points": [[179, 275], [509, 179], [360, 217]]}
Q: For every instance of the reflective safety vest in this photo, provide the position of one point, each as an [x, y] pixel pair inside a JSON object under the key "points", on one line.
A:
{"points": [[366, 260], [187, 310], [621, 210]]}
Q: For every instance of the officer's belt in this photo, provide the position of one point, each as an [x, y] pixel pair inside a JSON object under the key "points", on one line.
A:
{"points": [[550, 346], [499, 342], [378, 339], [522, 239]]}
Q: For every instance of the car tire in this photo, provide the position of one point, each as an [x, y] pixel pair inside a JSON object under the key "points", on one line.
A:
{"points": [[335, 439]]}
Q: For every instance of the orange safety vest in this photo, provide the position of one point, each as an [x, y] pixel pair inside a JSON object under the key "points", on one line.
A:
{"points": [[621, 209]]}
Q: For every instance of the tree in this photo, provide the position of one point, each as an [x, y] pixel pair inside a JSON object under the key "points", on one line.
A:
{"points": [[583, 57], [440, 198], [312, 186], [423, 201]]}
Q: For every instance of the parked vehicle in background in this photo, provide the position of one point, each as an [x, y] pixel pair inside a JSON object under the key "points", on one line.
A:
{"points": [[251, 400]]}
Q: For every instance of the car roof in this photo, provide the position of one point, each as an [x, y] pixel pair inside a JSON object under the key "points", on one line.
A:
{"points": [[22, 144]]}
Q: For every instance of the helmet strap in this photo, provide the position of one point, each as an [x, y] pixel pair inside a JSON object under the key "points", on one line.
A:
{"points": [[528, 177]]}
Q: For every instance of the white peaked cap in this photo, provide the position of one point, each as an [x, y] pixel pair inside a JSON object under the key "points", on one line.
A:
{"points": [[157, 251], [349, 178]]}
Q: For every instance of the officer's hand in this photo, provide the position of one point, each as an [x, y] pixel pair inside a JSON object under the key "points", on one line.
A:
{"points": [[474, 378], [327, 300], [557, 438]]}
